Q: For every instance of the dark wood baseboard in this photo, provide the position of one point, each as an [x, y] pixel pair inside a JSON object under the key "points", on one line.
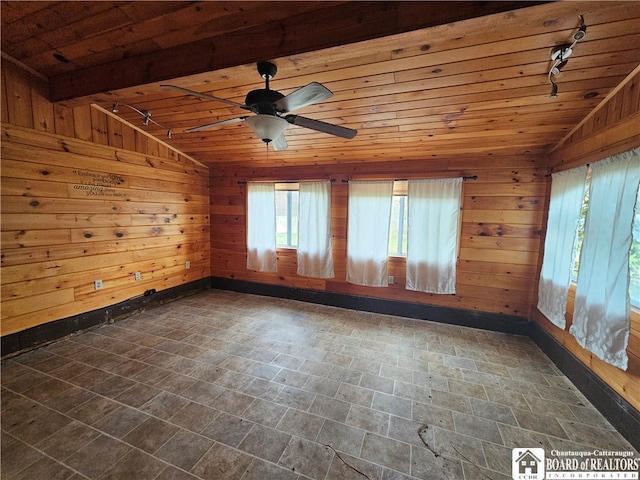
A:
{"points": [[34, 337], [453, 316]]}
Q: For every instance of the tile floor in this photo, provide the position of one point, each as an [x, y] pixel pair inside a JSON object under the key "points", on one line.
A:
{"points": [[222, 385]]}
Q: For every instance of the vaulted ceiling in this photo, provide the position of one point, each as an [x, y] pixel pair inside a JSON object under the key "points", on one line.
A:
{"points": [[416, 79]]}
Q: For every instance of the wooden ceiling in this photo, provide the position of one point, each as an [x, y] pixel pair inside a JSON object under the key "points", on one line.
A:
{"points": [[416, 79]]}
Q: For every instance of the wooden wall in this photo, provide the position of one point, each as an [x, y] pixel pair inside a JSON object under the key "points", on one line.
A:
{"points": [[86, 197], [500, 240], [612, 128]]}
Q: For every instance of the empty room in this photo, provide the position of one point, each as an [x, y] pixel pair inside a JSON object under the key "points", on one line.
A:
{"points": [[320, 240]]}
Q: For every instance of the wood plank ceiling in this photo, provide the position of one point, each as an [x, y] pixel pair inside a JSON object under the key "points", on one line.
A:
{"points": [[416, 79]]}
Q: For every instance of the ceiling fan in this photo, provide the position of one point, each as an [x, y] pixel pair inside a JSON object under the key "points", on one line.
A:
{"points": [[271, 109]]}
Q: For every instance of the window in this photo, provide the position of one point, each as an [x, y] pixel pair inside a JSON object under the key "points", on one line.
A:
{"points": [[290, 215], [577, 246], [634, 254], [380, 212], [634, 257], [398, 223], [287, 199]]}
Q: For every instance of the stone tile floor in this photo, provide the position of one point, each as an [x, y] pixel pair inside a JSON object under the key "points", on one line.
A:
{"points": [[222, 385]]}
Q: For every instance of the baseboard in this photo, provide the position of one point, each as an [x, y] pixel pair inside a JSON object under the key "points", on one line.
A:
{"points": [[15, 343], [622, 415], [453, 316]]}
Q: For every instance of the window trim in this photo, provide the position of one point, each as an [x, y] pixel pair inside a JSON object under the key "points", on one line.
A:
{"points": [[400, 189], [287, 187]]}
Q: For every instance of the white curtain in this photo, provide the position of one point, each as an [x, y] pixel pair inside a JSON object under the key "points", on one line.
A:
{"points": [[601, 318], [314, 230], [368, 232], [261, 227], [567, 191], [432, 230]]}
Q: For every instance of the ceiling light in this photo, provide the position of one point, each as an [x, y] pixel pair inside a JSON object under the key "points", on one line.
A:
{"points": [[582, 31], [267, 127], [146, 115], [560, 54]]}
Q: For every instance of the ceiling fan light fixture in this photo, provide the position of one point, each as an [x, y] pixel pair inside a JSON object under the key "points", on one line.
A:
{"points": [[267, 127]]}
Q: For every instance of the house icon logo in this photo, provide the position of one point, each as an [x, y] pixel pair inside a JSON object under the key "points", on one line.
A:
{"points": [[527, 463]]}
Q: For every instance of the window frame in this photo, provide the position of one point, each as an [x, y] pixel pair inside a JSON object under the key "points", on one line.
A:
{"points": [[288, 187], [400, 189]]}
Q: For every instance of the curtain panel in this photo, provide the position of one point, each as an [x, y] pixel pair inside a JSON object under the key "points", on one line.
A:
{"points": [[432, 234], [567, 191], [315, 258], [261, 227], [602, 312], [368, 232]]}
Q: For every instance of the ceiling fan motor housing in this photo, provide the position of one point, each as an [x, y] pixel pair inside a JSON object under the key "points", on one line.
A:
{"points": [[262, 100]]}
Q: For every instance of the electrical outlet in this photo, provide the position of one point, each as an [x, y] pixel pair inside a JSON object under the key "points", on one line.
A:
{"points": [[97, 284], [187, 264], [138, 276], [390, 280]]}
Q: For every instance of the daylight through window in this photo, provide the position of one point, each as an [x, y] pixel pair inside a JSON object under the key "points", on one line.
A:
{"points": [[634, 254], [287, 198], [398, 222]]}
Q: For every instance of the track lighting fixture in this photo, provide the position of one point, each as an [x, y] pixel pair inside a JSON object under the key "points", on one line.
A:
{"points": [[560, 55], [146, 115]]}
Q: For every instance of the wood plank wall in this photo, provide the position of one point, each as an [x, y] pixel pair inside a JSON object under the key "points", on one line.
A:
{"points": [[500, 240], [87, 197], [611, 129]]}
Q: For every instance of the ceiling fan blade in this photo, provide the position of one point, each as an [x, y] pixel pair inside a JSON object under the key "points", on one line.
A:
{"points": [[321, 126], [280, 143], [307, 95], [214, 125], [204, 95]]}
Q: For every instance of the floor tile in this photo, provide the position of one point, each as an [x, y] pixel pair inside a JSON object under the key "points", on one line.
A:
{"points": [[264, 442], [184, 449], [222, 463], [341, 437], [87, 462], [150, 435], [135, 464], [302, 424], [228, 429], [68, 440], [194, 416], [306, 457], [261, 470], [387, 452], [265, 412]]}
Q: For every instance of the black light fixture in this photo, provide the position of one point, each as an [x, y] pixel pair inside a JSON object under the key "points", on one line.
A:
{"points": [[560, 55], [146, 115]]}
